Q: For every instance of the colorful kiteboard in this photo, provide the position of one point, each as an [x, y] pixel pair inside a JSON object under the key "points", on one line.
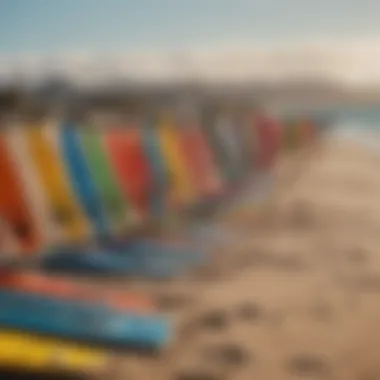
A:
{"points": [[127, 155], [70, 290], [165, 251], [123, 260], [50, 231], [50, 172], [199, 161], [81, 179], [36, 354], [71, 320], [159, 200], [182, 188], [116, 205], [14, 209]]}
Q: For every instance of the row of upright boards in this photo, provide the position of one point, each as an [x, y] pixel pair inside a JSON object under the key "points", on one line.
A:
{"points": [[65, 182]]}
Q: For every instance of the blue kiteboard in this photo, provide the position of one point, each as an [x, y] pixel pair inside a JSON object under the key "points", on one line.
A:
{"points": [[75, 321], [81, 179]]}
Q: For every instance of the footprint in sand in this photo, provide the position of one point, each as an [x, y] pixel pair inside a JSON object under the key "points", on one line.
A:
{"points": [[217, 362], [322, 310], [249, 312], [209, 321], [228, 354], [363, 283], [214, 320], [357, 256], [307, 365]]}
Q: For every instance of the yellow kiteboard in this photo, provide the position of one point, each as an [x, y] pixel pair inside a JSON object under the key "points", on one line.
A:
{"points": [[51, 173], [180, 180], [33, 353]]}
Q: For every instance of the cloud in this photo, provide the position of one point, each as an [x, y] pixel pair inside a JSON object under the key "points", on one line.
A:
{"points": [[353, 62]]}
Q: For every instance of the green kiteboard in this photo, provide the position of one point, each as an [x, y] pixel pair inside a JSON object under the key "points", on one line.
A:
{"points": [[117, 207]]}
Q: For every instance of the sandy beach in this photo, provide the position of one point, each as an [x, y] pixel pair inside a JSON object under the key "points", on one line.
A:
{"points": [[297, 297]]}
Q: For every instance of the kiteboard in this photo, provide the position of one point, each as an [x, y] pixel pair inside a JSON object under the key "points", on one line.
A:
{"points": [[80, 322], [81, 179], [116, 205], [51, 174], [50, 231], [131, 165], [14, 209], [62, 288], [181, 184], [36, 354]]}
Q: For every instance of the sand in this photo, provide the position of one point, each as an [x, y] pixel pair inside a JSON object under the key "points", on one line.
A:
{"points": [[297, 296]]}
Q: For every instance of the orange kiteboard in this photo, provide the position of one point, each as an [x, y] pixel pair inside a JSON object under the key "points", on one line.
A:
{"points": [[199, 161]]}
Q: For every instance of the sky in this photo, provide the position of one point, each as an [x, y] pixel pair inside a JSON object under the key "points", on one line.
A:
{"points": [[68, 32], [47, 26]]}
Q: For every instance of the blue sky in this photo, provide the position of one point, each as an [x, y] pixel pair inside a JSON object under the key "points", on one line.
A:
{"points": [[102, 26]]}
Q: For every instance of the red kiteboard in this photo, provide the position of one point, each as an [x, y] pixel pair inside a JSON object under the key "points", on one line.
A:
{"points": [[125, 147]]}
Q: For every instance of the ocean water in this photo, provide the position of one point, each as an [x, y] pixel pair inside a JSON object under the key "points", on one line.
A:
{"points": [[360, 124]]}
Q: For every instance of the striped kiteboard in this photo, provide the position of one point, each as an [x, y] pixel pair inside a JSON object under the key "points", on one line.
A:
{"points": [[81, 179], [180, 181], [125, 147], [14, 209], [51, 174], [48, 227], [116, 205], [159, 198], [199, 161], [122, 259], [62, 288]]}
